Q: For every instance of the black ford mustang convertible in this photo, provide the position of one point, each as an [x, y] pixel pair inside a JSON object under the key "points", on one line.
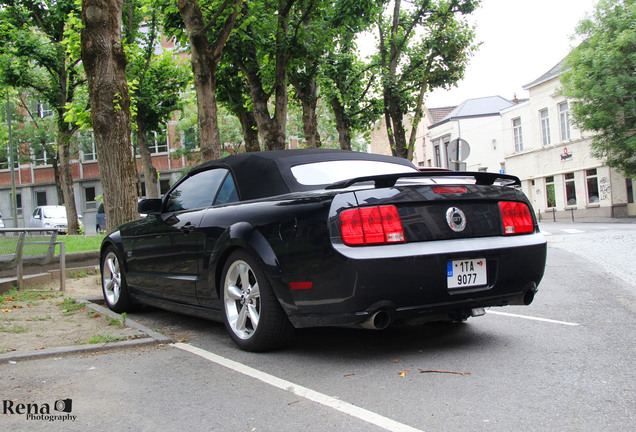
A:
{"points": [[271, 241]]}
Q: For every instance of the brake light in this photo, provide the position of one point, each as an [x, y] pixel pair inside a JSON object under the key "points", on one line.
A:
{"points": [[449, 189], [515, 218], [371, 225]]}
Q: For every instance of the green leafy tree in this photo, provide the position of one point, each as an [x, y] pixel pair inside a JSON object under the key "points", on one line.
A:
{"points": [[8, 107], [156, 75], [33, 56], [323, 66], [423, 45], [206, 25], [233, 93], [349, 83], [601, 81], [104, 59]]}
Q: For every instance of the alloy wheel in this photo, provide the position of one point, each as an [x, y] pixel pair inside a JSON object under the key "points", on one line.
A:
{"points": [[242, 299]]}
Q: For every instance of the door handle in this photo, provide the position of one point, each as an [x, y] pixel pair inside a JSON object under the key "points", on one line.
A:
{"points": [[187, 227]]}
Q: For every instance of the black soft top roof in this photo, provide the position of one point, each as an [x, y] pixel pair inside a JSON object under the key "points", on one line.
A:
{"points": [[268, 173]]}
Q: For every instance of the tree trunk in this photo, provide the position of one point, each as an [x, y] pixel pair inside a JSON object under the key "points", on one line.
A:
{"points": [[417, 118], [307, 93], [209, 136], [342, 124], [66, 179], [397, 119], [205, 57], [150, 173], [250, 131], [56, 174], [276, 139], [105, 64]]}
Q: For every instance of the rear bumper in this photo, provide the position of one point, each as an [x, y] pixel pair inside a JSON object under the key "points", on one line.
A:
{"points": [[413, 288]]}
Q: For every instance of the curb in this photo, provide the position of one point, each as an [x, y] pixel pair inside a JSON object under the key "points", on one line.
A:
{"points": [[152, 339]]}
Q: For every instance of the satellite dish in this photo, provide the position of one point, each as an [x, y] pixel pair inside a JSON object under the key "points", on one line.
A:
{"points": [[458, 150]]}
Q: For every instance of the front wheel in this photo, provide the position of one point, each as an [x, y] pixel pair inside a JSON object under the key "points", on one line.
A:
{"points": [[114, 284], [253, 317]]}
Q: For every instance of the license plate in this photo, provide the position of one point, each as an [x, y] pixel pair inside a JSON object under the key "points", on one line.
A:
{"points": [[466, 273]]}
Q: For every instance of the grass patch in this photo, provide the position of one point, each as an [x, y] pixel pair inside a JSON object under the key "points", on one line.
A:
{"points": [[118, 323], [78, 243], [15, 295], [103, 338], [14, 329], [69, 306]]}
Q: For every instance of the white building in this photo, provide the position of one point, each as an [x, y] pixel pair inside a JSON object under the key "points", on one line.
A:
{"points": [[553, 158], [477, 122]]}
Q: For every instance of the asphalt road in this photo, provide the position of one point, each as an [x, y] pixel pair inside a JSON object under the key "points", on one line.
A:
{"points": [[565, 363]]}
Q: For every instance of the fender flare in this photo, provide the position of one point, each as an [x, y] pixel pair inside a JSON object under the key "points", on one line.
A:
{"points": [[244, 235], [113, 239]]}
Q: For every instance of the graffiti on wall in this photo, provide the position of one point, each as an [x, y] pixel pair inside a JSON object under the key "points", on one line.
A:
{"points": [[605, 189]]}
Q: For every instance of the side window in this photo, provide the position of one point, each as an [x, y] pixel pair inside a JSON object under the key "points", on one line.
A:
{"points": [[227, 193], [196, 191]]}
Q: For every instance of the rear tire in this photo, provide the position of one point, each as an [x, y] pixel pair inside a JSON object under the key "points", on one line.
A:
{"points": [[253, 316], [114, 286]]}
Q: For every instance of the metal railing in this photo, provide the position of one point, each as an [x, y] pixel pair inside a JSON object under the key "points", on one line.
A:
{"points": [[20, 245]]}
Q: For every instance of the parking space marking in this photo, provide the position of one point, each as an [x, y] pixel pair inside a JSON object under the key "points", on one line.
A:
{"points": [[572, 231], [534, 318], [546, 233], [314, 396]]}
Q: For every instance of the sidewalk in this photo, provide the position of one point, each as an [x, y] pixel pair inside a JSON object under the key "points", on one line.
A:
{"points": [[40, 326]]}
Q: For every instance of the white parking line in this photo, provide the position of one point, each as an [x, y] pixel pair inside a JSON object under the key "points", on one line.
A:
{"points": [[572, 231], [546, 233], [533, 318], [328, 401]]}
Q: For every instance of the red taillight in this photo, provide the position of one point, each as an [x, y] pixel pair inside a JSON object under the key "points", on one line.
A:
{"points": [[449, 189], [371, 225], [515, 217], [351, 227]]}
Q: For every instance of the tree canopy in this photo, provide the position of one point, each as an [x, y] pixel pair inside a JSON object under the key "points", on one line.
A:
{"points": [[600, 80], [33, 56]]}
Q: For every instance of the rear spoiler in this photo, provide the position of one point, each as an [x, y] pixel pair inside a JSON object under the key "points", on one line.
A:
{"points": [[389, 180]]}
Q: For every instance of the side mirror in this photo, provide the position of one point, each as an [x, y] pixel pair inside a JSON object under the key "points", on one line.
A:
{"points": [[149, 206]]}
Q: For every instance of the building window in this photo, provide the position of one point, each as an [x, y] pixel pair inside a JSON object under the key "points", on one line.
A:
{"points": [[549, 192], [87, 144], [40, 109], [570, 189], [89, 195], [157, 142], [564, 118], [164, 186], [516, 131], [42, 158], [438, 153], [191, 138], [18, 204], [630, 190], [40, 198], [545, 127], [591, 179]]}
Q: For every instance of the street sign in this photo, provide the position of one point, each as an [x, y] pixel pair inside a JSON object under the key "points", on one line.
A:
{"points": [[458, 150]]}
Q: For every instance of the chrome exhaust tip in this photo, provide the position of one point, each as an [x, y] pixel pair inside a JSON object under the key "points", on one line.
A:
{"points": [[378, 321]]}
